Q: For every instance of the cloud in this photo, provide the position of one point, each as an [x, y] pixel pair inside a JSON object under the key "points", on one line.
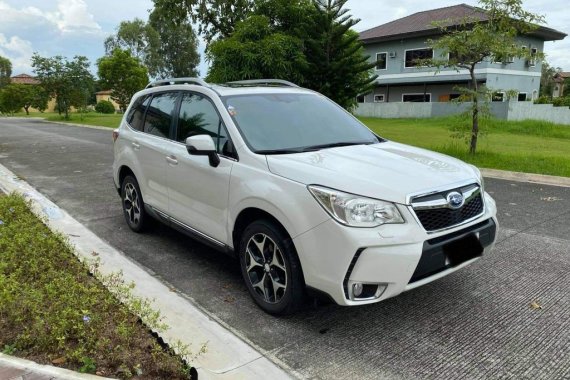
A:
{"points": [[19, 52], [62, 27], [72, 16]]}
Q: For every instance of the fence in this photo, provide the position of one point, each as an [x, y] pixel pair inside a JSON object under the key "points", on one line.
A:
{"points": [[501, 110]]}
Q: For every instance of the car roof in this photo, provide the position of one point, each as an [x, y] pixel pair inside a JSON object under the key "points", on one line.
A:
{"points": [[256, 86]]}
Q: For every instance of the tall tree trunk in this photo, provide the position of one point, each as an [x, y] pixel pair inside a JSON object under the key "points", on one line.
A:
{"points": [[475, 128]]}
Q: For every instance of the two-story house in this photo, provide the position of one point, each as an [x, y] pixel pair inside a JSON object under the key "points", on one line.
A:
{"points": [[397, 45]]}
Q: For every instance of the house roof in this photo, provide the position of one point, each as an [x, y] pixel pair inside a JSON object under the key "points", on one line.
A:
{"points": [[24, 79], [420, 24], [104, 92], [561, 76]]}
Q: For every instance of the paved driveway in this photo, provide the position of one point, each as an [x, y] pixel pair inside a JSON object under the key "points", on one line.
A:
{"points": [[473, 324]]}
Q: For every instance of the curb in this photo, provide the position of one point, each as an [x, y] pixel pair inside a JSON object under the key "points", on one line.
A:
{"points": [[21, 368], [227, 355], [527, 177]]}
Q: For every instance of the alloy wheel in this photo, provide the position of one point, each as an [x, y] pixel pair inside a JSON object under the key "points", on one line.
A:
{"points": [[265, 267], [132, 204]]}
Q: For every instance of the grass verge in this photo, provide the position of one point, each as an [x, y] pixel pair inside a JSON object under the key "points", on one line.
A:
{"points": [[91, 118], [53, 311], [528, 146]]}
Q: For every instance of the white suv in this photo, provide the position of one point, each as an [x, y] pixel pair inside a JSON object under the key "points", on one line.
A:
{"points": [[306, 196]]}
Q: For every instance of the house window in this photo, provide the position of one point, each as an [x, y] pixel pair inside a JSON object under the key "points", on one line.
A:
{"points": [[360, 99], [416, 98], [533, 54], [381, 62], [379, 98], [454, 96], [414, 56], [522, 97], [498, 96]]}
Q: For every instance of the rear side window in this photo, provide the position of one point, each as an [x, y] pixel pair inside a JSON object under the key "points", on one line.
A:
{"points": [[198, 116], [136, 114], [160, 113]]}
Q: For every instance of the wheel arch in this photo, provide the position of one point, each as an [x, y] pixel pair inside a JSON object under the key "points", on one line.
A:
{"points": [[247, 216], [123, 172]]}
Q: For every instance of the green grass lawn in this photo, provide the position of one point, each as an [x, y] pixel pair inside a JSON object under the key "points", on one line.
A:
{"points": [[91, 118], [525, 146]]}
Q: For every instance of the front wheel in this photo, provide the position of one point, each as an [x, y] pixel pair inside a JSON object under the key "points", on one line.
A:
{"points": [[271, 268], [133, 206]]}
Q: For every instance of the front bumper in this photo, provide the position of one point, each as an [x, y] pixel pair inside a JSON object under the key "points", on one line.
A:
{"points": [[400, 257]]}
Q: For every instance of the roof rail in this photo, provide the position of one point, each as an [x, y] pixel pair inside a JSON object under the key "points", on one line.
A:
{"points": [[262, 82], [170, 81]]}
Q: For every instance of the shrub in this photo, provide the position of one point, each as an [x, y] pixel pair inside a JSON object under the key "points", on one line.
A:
{"points": [[543, 100], [561, 102], [105, 106]]}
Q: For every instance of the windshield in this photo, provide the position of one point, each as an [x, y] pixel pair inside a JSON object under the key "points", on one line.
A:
{"points": [[291, 123]]}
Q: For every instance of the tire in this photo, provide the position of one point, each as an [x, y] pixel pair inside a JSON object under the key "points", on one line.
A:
{"points": [[133, 204], [270, 268]]}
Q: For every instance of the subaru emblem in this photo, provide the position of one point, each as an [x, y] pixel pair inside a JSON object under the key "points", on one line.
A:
{"points": [[455, 200]]}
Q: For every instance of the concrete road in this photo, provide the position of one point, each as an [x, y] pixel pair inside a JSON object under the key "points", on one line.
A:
{"points": [[473, 324]]}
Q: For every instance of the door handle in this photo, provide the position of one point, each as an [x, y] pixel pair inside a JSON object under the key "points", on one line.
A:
{"points": [[172, 160], [136, 145]]}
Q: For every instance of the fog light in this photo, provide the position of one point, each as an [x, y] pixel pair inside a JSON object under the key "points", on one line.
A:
{"points": [[357, 289]]}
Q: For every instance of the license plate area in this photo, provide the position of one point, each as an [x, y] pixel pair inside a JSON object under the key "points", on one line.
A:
{"points": [[462, 250], [450, 250]]}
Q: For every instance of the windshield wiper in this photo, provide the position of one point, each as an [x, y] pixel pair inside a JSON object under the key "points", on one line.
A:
{"points": [[279, 151], [312, 148], [335, 145]]}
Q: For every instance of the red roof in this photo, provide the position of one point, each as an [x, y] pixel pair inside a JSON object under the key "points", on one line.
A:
{"points": [[24, 79], [420, 24]]}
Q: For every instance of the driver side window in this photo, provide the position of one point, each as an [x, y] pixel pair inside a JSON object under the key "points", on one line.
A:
{"points": [[198, 116]]}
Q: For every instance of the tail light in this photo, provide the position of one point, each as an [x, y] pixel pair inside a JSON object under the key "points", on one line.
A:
{"points": [[115, 135]]}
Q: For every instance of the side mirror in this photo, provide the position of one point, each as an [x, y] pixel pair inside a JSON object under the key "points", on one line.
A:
{"points": [[203, 145]]}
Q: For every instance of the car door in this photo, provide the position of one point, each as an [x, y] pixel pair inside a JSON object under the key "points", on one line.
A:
{"points": [[198, 191], [152, 148]]}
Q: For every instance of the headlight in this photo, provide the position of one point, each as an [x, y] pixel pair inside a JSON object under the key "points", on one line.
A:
{"points": [[356, 211], [480, 176]]}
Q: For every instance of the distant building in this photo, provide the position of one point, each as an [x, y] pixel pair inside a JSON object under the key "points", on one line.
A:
{"points": [[106, 95], [397, 45], [31, 80], [559, 79], [24, 79]]}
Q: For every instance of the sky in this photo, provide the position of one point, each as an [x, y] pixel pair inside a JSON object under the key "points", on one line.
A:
{"points": [[79, 27]]}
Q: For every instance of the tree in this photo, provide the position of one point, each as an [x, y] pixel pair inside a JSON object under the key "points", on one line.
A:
{"points": [[338, 67], [255, 51], [70, 82], [473, 39], [5, 71], [136, 36], [216, 19], [13, 98], [547, 78], [123, 74], [39, 98], [166, 48], [177, 48]]}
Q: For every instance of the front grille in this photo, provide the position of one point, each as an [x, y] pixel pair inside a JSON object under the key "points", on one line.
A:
{"points": [[439, 217]]}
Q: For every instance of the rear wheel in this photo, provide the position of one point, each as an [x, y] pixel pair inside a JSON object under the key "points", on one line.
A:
{"points": [[270, 268], [133, 205]]}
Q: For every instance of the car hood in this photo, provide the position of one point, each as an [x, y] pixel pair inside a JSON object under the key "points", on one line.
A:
{"points": [[387, 171]]}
